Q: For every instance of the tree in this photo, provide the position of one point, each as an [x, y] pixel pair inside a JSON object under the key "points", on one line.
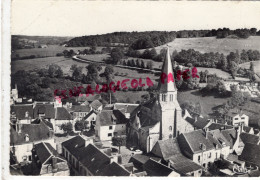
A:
{"points": [[149, 65], [46, 82], [233, 69], [93, 72], [119, 141], [153, 53], [116, 54], [109, 73], [80, 125], [55, 71], [67, 127], [252, 67], [77, 74], [138, 63], [142, 64]]}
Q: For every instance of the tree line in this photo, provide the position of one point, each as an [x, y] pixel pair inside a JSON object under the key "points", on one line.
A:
{"points": [[149, 39]]}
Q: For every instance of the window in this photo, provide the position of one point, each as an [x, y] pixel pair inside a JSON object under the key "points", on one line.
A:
{"points": [[109, 134], [209, 155], [110, 127], [170, 128], [171, 97], [30, 158], [236, 118], [164, 97], [199, 158], [243, 118]]}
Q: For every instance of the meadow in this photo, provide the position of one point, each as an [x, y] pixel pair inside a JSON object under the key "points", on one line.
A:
{"points": [[49, 51], [211, 44]]}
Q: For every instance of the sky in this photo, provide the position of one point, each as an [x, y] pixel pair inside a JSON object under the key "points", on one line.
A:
{"points": [[78, 18]]}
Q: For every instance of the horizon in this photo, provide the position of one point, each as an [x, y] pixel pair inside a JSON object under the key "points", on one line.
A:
{"points": [[84, 18]]}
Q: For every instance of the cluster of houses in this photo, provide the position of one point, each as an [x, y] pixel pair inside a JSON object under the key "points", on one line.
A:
{"points": [[172, 142]]}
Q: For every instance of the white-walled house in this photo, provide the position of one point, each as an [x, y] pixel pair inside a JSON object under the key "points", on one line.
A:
{"points": [[110, 123], [96, 105], [79, 111], [126, 108], [62, 116], [23, 136], [236, 118], [90, 119]]}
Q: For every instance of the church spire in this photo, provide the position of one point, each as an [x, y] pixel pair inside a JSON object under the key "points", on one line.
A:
{"points": [[166, 83]]}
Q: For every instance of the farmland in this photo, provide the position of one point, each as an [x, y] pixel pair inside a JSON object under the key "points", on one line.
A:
{"points": [[49, 51], [211, 44]]}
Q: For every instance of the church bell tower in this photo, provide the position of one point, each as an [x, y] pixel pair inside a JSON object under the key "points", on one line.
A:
{"points": [[170, 108]]}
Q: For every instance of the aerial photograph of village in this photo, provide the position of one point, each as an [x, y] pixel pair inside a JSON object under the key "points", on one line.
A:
{"points": [[96, 92]]}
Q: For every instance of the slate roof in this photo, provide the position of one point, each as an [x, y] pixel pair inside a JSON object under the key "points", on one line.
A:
{"points": [[168, 148], [47, 109], [167, 69], [74, 144], [62, 114], [20, 111], [94, 160], [246, 128], [170, 151], [195, 139], [107, 117], [89, 114], [230, 135], [249, 138], [201, 123], [44, 151], [36, 132], [190, 120], [79, 108], [234, 112], [214, 126], [251, 154], [95, 104], [126, 108], [154, 168], [114, 169], [218, 138]]}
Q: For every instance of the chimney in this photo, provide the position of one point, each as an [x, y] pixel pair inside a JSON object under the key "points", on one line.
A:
{"points": [[54, 164]]}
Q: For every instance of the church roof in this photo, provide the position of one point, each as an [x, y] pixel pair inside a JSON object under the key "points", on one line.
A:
{"points": [[167, 69]]}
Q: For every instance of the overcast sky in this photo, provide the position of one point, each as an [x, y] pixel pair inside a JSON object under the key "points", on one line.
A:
{"points": [[76, 18]]}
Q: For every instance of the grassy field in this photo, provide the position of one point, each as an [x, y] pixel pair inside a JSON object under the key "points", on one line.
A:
{"points": [[218, 72], [256, 65], [94, 57], [207, 102], [51, 50], [211, 44]]}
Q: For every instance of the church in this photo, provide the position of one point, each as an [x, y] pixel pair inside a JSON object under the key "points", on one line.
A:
{"points": [[161, 117]]}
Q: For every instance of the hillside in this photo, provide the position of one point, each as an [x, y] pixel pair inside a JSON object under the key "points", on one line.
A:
{"points": [[212, 44]]}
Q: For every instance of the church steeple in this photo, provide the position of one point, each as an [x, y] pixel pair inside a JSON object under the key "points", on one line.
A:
{"points": [[166, 83]]}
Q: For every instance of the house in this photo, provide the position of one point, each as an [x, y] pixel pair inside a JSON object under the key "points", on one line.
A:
{"points": [[90, 119], [198, 148], [47, 162], [170, 153], [154, 168], [62, 117], [87, 160], [22, 114], [44, 110], [233, 137], [251, 155], [79, 111], [201, 123], [110, 123], [24, 136], [249, 138], [96, 105], [159, 118], [139, 160], [235, 117], [126, 108], [248, 129]]}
